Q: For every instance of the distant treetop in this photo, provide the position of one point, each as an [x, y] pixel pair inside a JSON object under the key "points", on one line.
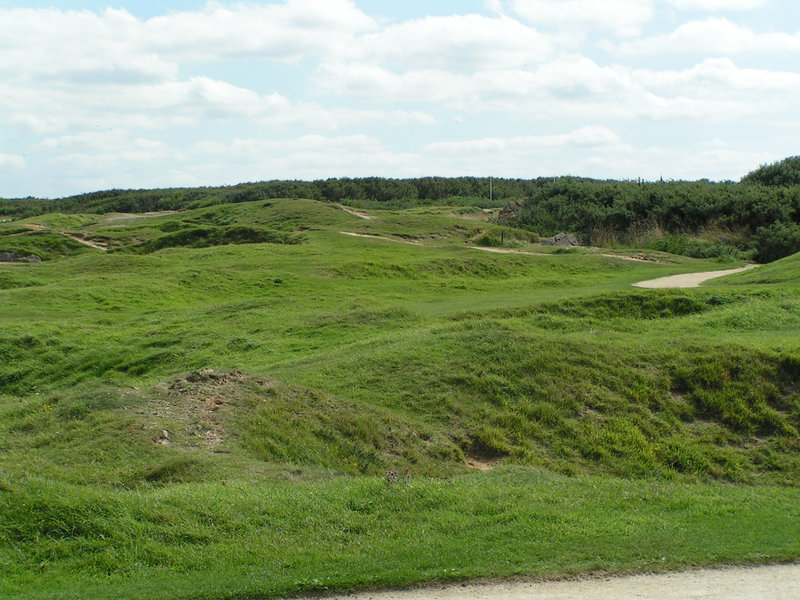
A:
{"points": [[781, 173]]}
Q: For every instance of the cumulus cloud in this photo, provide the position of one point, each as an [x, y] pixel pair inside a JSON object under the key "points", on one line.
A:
{"points": [[575, 86], [717, 36], [114, 46], [101, 98], [624, 17], [585, 136], [459, 43], [12, 161], [717, 4], [287, 31], [78, 46]]}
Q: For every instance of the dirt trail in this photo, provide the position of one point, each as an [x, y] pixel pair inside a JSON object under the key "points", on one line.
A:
{"points": [[508, 251], [83, 241], [779, 582], [357, 213], [688, 280], [375, 236], [73, 236]]}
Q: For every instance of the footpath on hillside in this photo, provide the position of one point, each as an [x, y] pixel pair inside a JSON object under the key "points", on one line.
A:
{"points": [[688, 280], [777, 582]]}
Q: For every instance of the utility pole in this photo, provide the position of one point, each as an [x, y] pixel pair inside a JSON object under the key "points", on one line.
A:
{"points": [[490, 189]]}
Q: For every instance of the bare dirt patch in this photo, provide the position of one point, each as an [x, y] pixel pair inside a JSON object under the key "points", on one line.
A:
{"points": [[356, 213], [190, 411], [508, 251], [81, 239], [480, 464], [124, 219], [375, 236], [642, 258], [78, 237]]}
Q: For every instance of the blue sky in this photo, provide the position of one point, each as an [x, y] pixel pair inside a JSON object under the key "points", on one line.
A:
{"points": [[158, 94]]}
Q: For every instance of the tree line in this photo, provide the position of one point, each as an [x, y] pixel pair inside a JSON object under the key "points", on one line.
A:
{"points": [[758, 217]]}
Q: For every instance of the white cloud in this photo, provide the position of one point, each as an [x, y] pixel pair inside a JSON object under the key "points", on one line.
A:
{"points": [[456, 43], [585, 136], [111, 100], [77, 46], [717, 36], [285, 31], [12, 161], [717, 4], [84, 47], [624, 17]]}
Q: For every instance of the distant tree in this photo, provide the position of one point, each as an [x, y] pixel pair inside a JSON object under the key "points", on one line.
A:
{"points": [[781, 173]]}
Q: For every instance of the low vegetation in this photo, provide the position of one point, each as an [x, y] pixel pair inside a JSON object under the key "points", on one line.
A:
{"points": [[270, 397]]}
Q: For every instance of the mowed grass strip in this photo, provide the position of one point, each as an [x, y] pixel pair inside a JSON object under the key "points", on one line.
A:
{"points": [[242, 540]]}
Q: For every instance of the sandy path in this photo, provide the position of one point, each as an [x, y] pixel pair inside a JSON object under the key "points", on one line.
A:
{"points": [[508, 251], [778, 582], [374, 236], [688, 280], [356, 213]]}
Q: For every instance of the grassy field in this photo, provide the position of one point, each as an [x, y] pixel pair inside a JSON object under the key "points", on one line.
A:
{"points": [[265, 399]]}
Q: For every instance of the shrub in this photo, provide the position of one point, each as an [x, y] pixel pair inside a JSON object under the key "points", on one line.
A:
{"points": [[776, 241]]}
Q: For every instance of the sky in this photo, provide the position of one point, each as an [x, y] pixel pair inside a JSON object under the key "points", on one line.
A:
{"points": [[152, 94]]}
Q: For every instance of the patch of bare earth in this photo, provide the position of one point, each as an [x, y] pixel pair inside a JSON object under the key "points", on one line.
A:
{"points": [[78, 237], [375, 236], [356, 213], [481, 464], [191, 411], [124, 219], [508, 251], [82, 239]]}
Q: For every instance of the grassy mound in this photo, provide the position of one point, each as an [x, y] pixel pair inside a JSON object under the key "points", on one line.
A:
{"points": [[240, 419]]}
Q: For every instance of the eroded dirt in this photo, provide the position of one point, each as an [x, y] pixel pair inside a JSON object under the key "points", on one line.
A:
{"points": [[190, 411]]}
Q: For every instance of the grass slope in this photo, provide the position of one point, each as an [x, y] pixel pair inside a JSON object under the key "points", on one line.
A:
{"points": [[217, 415]]}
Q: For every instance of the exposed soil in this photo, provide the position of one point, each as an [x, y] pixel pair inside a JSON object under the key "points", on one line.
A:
{"points": [[634, 258], [357, 213], [688, 280], [778, 582], [82, 240], [508, 251], [480, 464], [189, 411], [122, 219], [374, 236]]}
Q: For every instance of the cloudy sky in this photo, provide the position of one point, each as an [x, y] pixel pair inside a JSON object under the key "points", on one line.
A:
{"points": [[184, 93]]}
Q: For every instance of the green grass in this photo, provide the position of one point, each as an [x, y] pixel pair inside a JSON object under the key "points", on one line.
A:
{"points": [[215, 417], [248, 540]]}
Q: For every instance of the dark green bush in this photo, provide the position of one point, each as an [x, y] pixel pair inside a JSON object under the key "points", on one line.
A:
{"points": [[776, 241]]}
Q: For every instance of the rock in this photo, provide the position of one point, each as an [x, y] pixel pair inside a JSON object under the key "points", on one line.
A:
{"points": [[14, 257], [509, 213], [202, 375], [565, 240]]}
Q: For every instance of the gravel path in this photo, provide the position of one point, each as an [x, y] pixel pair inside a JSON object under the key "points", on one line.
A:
{"points": [[779, 582], [688, 280]]}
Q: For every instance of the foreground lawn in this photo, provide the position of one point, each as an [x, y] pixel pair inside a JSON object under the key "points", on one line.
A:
{"points": [[265, 540]]}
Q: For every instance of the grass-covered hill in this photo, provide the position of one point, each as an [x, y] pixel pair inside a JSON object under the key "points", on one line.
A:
{"points": [[265, 398], [757, 218]]}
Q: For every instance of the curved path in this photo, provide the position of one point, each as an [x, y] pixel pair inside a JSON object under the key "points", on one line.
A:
{"points": [[777, 582], [688, 280]]}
